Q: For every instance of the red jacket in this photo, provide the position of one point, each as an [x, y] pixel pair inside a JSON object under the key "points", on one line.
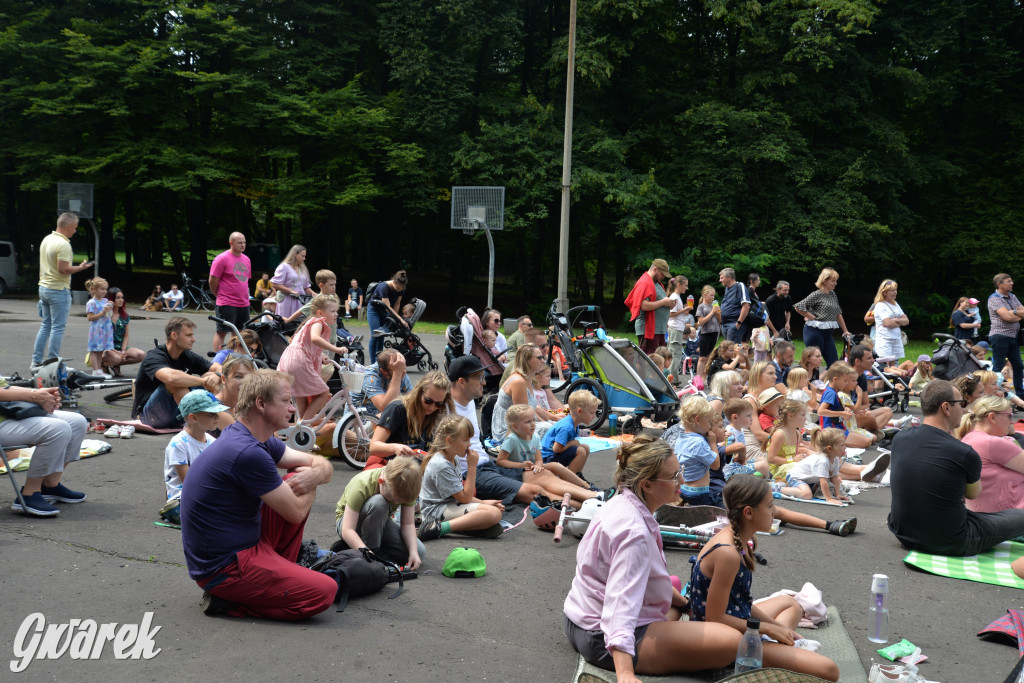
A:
{"points": [[643, 290]]}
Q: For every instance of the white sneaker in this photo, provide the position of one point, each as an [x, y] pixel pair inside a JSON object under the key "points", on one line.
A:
{"points": [[882, 673], [875, 470], [100, 373], [127, 432], [113, 432]]}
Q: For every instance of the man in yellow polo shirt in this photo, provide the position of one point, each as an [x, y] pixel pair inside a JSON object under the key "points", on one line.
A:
{"points": [[55, 271]]}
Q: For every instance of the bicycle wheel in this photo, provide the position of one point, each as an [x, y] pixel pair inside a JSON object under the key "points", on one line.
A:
{"points": [[353, 448], [118, 395], [207, 302]]}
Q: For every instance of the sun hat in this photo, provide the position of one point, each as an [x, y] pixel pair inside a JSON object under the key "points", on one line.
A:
{"points": [[924, 358], [768, 395], [464, 563], [200, 402]]}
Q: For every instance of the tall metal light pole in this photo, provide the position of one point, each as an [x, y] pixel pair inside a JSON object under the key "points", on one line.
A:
{"points": [[563, 234]]}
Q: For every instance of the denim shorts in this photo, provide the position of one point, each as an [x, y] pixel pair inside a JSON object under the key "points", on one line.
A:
{"points": [[160, 410]]}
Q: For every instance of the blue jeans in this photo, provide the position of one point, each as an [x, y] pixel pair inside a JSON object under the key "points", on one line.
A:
{"points": [[54, 307], [730, 331], [161, 411], [814, 336], [374, 320], [1004, 349]]}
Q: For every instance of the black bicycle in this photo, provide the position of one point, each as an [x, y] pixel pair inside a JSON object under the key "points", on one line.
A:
{"points": [[197, 295]]}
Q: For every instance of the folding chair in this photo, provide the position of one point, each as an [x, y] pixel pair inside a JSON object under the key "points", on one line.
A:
{"points": [[10, 471]]}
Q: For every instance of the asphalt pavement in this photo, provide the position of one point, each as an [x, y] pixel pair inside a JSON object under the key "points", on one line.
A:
{"points": [[105, 560]]}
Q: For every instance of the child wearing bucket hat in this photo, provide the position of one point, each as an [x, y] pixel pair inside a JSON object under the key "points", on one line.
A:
{"points": [[199, 410]]}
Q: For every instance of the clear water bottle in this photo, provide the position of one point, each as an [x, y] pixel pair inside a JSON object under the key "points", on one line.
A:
{"points": [[878, 611], [613, 424], [749, 654]]}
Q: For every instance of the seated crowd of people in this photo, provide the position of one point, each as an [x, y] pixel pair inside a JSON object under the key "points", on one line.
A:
{"points": [[769, 426]]}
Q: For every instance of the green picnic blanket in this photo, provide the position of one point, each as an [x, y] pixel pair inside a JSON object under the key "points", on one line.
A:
{"points": [[992, 566]]}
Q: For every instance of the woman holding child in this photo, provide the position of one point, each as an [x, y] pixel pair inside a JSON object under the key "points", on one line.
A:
{"points": [[622, 612], [407, 425]]}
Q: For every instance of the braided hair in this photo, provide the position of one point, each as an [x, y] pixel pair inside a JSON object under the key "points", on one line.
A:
{"points": [[789, 407], [740, 492]]}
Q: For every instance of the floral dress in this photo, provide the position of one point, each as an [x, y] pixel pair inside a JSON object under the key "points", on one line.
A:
{"points": [[101, 330]]}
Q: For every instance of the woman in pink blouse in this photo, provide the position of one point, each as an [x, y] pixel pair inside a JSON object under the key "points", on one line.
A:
{"points": [[622, 612], [985, 428]]}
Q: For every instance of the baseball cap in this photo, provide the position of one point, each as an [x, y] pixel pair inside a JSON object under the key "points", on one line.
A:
{"points": [[464, 563], [662, 265], [769, 395], [983, 345], [972, 301], [924, 358], [464, 366], [200, 402]]}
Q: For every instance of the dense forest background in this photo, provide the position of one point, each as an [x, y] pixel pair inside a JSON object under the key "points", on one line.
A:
{"points": [[883, 138]]}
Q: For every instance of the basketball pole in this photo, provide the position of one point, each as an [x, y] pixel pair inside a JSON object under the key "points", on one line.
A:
{"points": [[563, 233]]}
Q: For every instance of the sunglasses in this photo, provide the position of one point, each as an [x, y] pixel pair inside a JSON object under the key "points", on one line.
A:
{"points": [[431, 402], [675, 477], [960, 401]]}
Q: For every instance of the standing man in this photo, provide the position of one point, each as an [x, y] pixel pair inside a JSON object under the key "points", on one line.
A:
{"points": [[931, 474], [354, 302], [646, 300], [735, 305], [780, 309], [1005, 313], [229, 282], [242, 524], [55, 271], [518, 337]]}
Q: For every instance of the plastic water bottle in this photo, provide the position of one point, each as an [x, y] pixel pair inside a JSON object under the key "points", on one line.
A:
{"points": [[749, 654], [878, 613], [613, 424]]}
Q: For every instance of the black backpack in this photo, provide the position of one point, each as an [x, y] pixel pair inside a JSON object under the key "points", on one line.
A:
{"points": [[360, 572]]}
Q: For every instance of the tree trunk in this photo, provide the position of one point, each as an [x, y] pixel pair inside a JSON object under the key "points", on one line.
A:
{"points": [[172, 233]]}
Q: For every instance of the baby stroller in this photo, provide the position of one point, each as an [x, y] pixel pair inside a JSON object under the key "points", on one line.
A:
{"points": [[953, 358], [398, 336], [622, 377], [455, 336], [273, 332]]}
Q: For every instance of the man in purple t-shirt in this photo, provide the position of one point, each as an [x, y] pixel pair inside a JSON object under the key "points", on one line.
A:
{"points": [[241, 524], [229, 282]]}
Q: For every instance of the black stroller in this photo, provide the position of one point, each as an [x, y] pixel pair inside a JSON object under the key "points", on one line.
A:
{"points": [[398, 336], [953, 358]]}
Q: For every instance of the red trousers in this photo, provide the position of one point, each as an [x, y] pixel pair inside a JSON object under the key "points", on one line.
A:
{"points": [[265, 582]]}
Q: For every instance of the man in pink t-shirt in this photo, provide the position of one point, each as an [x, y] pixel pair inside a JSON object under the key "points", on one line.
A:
{"points": [[229, 281]]}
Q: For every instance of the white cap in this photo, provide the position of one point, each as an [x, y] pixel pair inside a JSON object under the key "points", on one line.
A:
{"points": [[880, 584]]}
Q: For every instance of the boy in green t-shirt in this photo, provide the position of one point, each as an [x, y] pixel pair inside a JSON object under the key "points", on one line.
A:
{"points": [[365, 508]]}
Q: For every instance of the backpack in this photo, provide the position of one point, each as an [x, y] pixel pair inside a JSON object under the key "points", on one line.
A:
{"points": [[758, 310], [358, 573]]}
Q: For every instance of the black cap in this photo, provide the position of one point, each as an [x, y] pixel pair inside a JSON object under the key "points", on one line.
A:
{"points": [[464, 366]]}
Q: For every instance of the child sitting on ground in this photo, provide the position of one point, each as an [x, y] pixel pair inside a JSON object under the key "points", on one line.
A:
{"points": [[785, 447], [561, 443], [199, 410], [520, 458], [800, 388], [923, 374], [364, 512], [722, 574], [697, 452], [836, 411], [740, 415], [447, 502], [818, 474]]}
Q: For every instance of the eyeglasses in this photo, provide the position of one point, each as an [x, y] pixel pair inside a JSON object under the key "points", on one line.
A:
{"points": [[959, 401], [431, 402], [675, 477], [528, 325]]}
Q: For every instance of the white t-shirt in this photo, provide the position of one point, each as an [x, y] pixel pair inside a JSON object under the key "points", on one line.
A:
{"points": [[677, 322], [173, 296], [469, 412], [181, 450], [500, 344], [815, 466], [883, 311]]}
